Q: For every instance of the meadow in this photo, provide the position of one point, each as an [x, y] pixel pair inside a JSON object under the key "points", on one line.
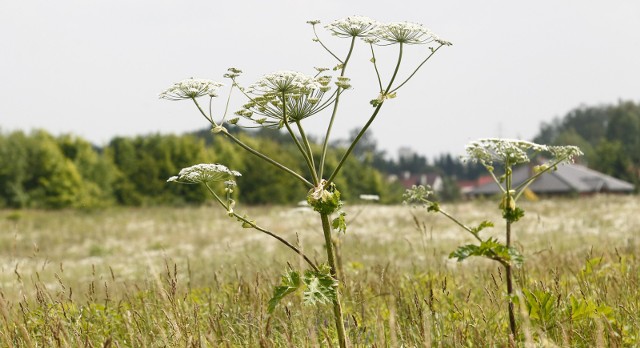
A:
{"points": [[193, 277]]}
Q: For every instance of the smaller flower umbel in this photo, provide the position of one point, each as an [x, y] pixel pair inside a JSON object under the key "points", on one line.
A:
{"points": [[191, 89], [406, 33], [204, 173], [511, 152], [352, 26]]}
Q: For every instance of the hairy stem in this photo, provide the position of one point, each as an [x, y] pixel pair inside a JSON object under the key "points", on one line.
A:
{"points": [[337, 306], [507, 266]]}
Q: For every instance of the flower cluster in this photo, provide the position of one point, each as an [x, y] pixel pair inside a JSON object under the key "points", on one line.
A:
{"points": [[374, 32], [287, 94], [352, 26], [204, 173], [512, 152], [406, 33], [191, 89]]}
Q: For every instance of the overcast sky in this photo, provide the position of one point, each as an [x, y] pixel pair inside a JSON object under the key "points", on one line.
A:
{"points": [[94, 68]]}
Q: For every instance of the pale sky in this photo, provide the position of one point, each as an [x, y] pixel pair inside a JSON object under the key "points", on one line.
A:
{"points": [[94, 68]]}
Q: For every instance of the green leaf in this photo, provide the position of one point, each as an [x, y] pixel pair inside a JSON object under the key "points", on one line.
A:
{"points": [[433, 207], [542, 308], [320, 287], [513, 215], [491, 249], [290, 283], [482, 226], [339, 223]]}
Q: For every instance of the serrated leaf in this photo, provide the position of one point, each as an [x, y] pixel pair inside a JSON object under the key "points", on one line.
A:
{"points": [[513, 215], [290, 283], [482, 226], [464, 252], [491, 249], [320, 287], [339, 223]]}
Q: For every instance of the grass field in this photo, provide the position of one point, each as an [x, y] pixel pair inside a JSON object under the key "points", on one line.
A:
{"points": [[192, 277]]}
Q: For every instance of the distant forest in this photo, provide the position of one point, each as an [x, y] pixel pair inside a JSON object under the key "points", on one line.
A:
{"points": [[38, 170]]}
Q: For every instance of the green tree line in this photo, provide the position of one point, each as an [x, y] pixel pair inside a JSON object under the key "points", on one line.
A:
{"points": [[39, 170], [609, 136]]}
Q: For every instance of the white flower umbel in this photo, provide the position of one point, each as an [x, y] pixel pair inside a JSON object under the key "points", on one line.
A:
{"points": [[191, 89], [406, 33], [287, 82], [204, 173], [352, 26], [513, 152], [287, 94]]}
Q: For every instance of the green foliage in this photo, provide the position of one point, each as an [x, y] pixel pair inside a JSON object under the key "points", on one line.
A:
{"points": [[512, 214], [609, 135], [541, 308], [39, 170], [289, 283], [484, 224], [339, 224], [582, 309], [491, 249], [324, 200], [318, 287]]}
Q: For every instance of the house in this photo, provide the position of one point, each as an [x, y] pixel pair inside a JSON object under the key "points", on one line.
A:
{"points": [[407, 179], [569, 178]]}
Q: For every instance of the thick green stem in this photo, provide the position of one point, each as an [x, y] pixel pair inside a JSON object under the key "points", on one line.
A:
{"points": [[337, 306], [334, 112], [507, 266], [509, 275]]}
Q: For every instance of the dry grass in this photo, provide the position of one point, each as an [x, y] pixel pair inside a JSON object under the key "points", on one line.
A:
{"points": [[193, 277]]}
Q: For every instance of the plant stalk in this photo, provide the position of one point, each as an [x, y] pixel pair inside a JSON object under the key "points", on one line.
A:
{"points": [[507, 266], [337, 306]]}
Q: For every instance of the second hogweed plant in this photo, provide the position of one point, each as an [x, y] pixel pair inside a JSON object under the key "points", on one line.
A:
{"points": [[283, 100], [505, 154]]}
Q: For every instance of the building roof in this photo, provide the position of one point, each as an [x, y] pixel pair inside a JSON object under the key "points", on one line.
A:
{"points": [[568, 178]]}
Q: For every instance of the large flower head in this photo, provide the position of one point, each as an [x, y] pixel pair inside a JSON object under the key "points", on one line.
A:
{"points": [[287, 95], [352, 26], [513, 152], [191, 89], [406, 33], [204, 173]]}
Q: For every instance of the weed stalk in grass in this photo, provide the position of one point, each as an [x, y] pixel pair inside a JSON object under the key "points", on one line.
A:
{"points": [[507, 153], [283, 100]]}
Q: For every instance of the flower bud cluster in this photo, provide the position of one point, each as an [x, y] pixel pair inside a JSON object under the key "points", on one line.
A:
{"points": [[191, 89], [325, 199], [204, 173]]}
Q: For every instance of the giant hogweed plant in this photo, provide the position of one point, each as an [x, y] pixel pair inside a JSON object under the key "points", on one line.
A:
{"points": [[283, 100], [507, 154]]}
